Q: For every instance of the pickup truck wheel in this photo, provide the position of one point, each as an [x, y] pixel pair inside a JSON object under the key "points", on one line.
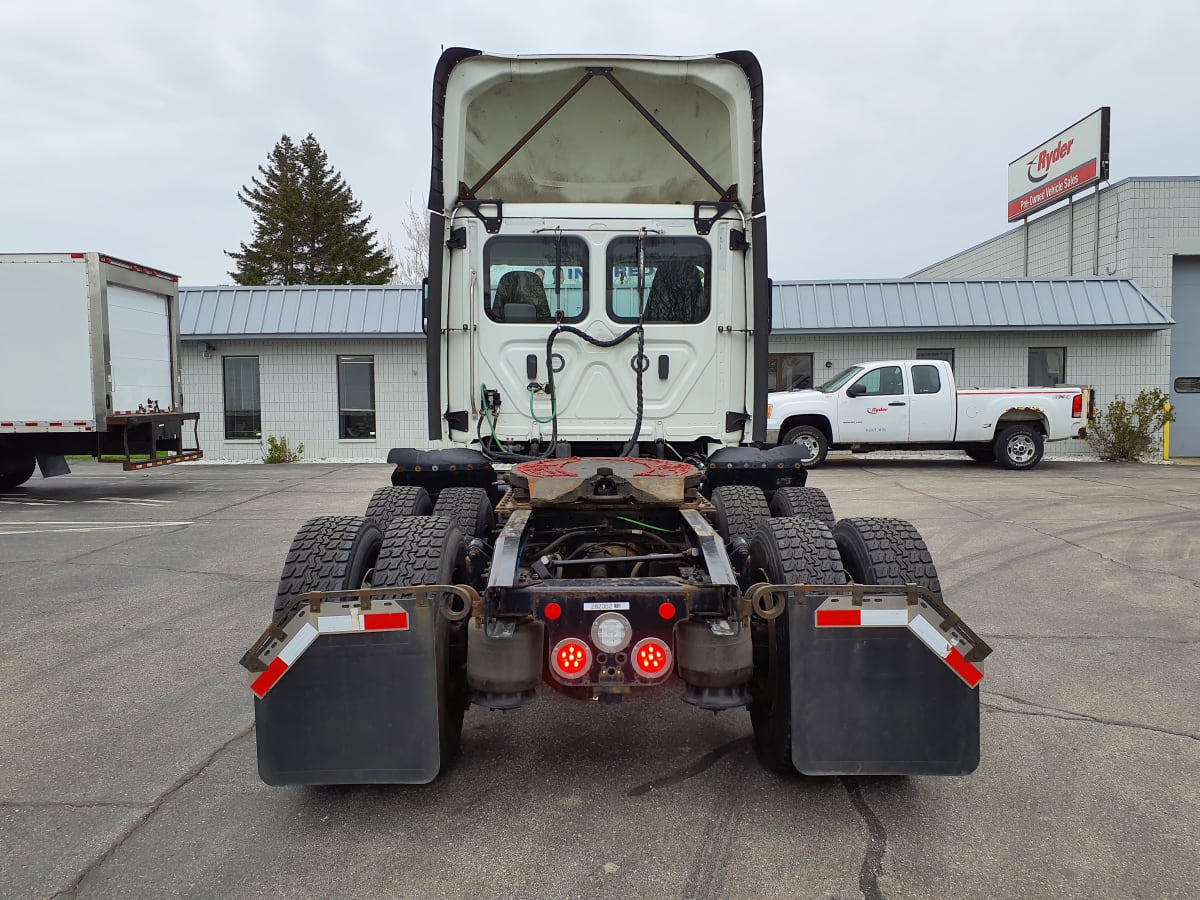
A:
{"points": [[15, 471], [1019, 447], [470, 508], [430, 550], [783, 551], [981, 453], [885, 551], [389, 503], [812, 438], [740, 510], [808, 502], [329, 553]]}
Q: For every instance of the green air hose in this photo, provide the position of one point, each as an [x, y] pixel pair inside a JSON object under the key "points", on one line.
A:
{"points": [[487, 414], [553, 409]]}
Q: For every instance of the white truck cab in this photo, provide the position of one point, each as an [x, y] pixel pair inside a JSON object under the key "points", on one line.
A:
{"points": [[914, 404], [602, 274]]}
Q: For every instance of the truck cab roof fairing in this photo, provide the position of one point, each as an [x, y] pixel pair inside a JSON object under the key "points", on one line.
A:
{"points": [[597, 147]]}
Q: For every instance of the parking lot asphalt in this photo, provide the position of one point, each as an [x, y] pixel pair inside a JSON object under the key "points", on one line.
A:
{"points": [[127, 759]]}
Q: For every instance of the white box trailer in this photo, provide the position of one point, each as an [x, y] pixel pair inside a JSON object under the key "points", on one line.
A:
{"points": [[89, 364]]}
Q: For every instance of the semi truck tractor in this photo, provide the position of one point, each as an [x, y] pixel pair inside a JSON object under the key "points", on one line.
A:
{"points": [[89, 365], [598, 513]]}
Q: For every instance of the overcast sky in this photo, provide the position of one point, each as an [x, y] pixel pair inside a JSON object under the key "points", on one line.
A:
{"points": [[129, 126]]}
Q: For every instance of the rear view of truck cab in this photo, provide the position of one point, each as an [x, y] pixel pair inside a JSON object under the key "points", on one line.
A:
{"points": [[595, 514], [612, 196]]}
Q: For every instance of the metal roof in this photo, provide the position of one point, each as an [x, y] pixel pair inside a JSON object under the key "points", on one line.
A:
{"points": [[1017, 304], [308, 311], [811, 307]]}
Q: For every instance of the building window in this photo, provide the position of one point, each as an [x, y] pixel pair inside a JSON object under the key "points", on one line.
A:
{"points": [[243, 406], [356, 397], [946, 356], [789, 371], [1047, 366]]}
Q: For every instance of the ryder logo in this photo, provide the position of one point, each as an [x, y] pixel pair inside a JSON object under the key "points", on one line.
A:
{"points": [[1044, 160], [875, 410]]}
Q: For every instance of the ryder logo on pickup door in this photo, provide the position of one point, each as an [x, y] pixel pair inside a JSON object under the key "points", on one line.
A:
{"points": [[1069, 162], [875, 410]]}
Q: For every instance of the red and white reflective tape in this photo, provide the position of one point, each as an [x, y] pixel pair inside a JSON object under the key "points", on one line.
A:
{"points": [[342, 619], [834, 614], [63, 426], [951, 655]]}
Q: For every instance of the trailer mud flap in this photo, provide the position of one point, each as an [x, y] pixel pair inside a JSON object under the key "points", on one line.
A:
{"points": [[881, 688], [362, 707]]}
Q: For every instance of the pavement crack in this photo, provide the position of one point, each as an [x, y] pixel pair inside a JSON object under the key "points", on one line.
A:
{"points": [[64, 804], [714, 848], [1092, 637], [689, 771], [150, 809], [160, 568], [1067, 715], [872, 864]]}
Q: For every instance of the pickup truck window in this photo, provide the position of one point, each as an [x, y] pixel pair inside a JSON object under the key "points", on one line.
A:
{"points": [[529, 279], [926, 380], [882, 382], [838, 380], [677, 279]]}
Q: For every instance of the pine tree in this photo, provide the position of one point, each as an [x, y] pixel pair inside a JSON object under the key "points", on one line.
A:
{"points": [[307, 225]]}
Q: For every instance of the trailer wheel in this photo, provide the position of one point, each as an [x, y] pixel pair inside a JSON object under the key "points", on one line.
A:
{"points": [[15, 471], [885, 551], [783, 551], [469, 507], [740, 510], [1019, 447], [430, 550], [981, 453], [329, 553], [811, 437], [389, 503], [807, 502]]}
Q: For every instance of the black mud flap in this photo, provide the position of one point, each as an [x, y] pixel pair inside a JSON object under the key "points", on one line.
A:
{"points": [[876, 701], [357, 708]]}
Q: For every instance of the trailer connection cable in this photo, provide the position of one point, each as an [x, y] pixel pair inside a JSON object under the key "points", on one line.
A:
{"points": [[553, 409], [637, 329]]}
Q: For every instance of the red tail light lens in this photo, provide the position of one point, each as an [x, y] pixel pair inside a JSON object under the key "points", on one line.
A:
{"points": [[651, 658], [552, 611], [1077, 407], [571, 658], [666, 610]]}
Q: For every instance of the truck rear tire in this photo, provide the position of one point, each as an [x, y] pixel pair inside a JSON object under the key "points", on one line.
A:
{"points": [[470, 508], [811, 437], [15, 471], [430, 550], [784, 551], [740, 510], [1019, 447], [389, 503], [807, 502], [329, 553], [885, 551]]}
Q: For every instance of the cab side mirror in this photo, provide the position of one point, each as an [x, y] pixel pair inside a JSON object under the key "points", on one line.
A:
{"points": [[856, 390]]}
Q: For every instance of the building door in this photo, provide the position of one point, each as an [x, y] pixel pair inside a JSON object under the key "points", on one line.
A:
{"points": [[1185, 357]]}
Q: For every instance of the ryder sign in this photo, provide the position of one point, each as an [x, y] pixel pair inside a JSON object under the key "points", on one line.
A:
{"points": [[1070, 161]]}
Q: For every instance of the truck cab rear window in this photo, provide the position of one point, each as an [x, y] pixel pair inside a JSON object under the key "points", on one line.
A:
{"points": [[677, 281], [535, 278]]}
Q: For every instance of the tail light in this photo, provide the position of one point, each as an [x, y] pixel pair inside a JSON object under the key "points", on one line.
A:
{"points": [[571, 658], [1077, 407], [651, 658]]}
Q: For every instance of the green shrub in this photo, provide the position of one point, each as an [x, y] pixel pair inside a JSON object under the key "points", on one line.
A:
{"points": [[278, 451], [1125, 433]]}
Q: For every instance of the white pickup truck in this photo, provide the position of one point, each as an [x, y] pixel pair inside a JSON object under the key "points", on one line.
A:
{"points": [[912, 404]]}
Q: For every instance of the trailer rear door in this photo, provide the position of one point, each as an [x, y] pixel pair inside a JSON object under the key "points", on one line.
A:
{"points": [[139, 332]]}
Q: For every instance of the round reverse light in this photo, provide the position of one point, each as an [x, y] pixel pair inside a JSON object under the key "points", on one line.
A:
{"points": [[611, 632], [651, 658], [571, 658]]}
